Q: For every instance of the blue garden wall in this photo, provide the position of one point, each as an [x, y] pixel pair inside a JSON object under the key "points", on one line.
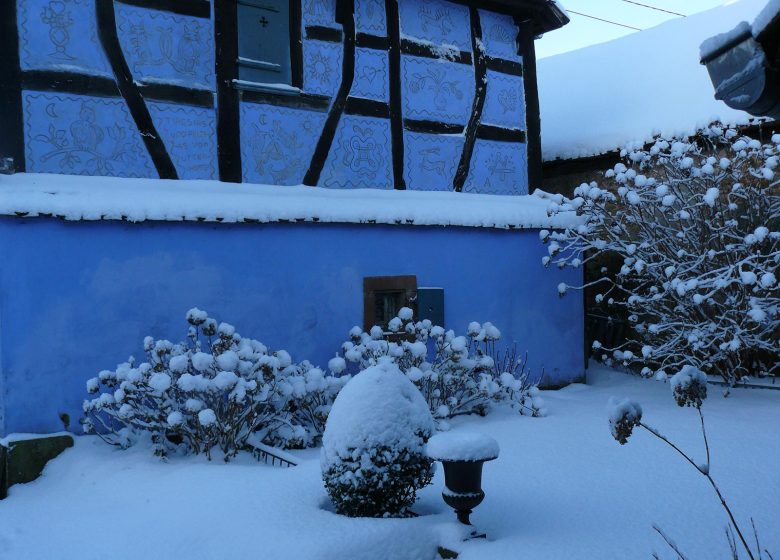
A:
{"points": [[76, 298], [76, 120]]}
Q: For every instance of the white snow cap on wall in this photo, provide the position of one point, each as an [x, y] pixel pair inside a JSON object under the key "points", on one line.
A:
{"points": [[136, 200], [604, 97]]}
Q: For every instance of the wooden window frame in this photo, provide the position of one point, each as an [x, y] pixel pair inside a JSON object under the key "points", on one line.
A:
{"points": [[405, 286]]}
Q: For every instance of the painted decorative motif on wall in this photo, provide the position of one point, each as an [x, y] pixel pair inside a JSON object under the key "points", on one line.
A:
{"points": [[504, 101], [436, 90], [431, 161], [360, 158], [322, 67], [167, 47], [60, 35], [319, 12], [370, 17], [498, 168], [189, 134], [82, 135], [436, 21], [371, 77], [499, 35], [277, 143]]}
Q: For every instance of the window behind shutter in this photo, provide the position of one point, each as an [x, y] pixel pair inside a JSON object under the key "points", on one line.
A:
{"points": [[264, 41]]}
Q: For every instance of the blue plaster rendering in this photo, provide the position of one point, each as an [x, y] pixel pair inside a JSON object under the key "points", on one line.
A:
{"points": [[437, 90], [437, 22], [360, 157], [322, 62], [371, 75], [504, 101], [81, 135], [370, 17], [319, 12], [189, 134], [431, 160], [77, 298], [498, 168], [499, 35], [277, 143], [60, 35], [163, 47]]}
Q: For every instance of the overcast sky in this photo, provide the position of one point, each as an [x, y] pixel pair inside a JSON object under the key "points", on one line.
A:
{"points": [[582, 31]]}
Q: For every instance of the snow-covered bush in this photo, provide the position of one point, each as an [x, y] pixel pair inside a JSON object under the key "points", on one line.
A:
{"points": [[695, 226], [373, 449], [216, 389], [465, 374]]}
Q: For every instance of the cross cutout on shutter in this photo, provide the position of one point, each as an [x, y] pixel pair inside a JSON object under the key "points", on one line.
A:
{"points": [[263, 21]]}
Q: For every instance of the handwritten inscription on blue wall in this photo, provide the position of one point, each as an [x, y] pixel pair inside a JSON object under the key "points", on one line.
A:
{"points": [[360, 158], [371, 78], [319, 12], [499, 35], [165, 47], [431, 160], [60, 35], [436, 21], [82, 135], [370, 17], [498, 168], [322, 67], [189, 134], [277, 143], [437, 90], [504, 101]]}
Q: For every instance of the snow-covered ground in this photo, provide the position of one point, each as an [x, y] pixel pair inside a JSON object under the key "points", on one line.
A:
{"points": [[561, 488]]}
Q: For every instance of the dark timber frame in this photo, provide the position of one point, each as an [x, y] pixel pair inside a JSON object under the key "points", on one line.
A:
{"points": [[226, 69], [106, 22], [11, 118], [525, 40], [394, 76]]}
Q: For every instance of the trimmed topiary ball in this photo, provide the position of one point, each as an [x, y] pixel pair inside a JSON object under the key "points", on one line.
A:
{"points": [[373, 454]]}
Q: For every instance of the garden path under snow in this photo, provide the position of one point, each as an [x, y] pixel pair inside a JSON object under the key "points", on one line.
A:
{"points": [[562, 488]]}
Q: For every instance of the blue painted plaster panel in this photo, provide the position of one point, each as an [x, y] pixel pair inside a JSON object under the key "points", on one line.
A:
{"points": [[360, 157], [499, 35], [370, 17], [436, 21], [79, 297], [437, 90], [319, 12], [371, 77], [277, 143], [82, 135], [189, 134], [165, 47], [498, 168], [504, 101], [60, 35], [431, 160], [322, 62]]}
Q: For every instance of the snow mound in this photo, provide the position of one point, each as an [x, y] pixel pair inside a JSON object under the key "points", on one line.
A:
{"points": [[462, 446], [378, 407]]}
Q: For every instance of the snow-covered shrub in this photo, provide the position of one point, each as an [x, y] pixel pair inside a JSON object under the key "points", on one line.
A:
{"points": [[465, 374], [216, 389], [373, 449], [695, 227]]}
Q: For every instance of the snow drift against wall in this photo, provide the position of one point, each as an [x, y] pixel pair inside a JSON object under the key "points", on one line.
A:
{"points": [[136, 200], [597, 99]]}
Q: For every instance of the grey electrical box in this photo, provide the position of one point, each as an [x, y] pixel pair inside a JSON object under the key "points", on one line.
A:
{"points": [[430, 305]]}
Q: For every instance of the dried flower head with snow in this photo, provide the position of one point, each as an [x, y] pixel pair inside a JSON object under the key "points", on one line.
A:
{"points": [[689, 386], [623, 415]]}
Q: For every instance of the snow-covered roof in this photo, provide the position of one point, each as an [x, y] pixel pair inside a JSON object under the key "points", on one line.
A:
{"points": [[604, 97], [110, 198]]}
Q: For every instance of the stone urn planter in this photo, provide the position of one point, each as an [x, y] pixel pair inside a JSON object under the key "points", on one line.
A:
{"points": [[462, 455]]}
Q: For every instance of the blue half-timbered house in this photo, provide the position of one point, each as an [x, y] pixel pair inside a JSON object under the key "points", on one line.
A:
{"points": [[214, 142]]}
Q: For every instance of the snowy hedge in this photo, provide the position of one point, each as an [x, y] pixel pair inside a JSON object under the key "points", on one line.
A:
{"points": [[373, 454], [214, 390], [695, 224], [464, 375]]}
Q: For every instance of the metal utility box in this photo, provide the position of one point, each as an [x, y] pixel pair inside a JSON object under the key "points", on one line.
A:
{"points": [[430, 305]]}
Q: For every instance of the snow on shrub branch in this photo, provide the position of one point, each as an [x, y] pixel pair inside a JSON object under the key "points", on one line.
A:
{"points": [[214, 390], [695, 224], [464, 375]]}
